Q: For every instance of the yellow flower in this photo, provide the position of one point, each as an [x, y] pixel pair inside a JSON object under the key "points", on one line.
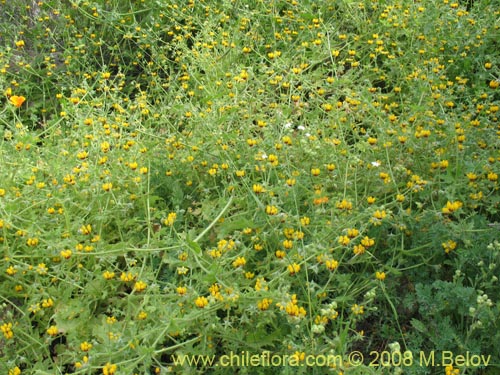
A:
{"points": [[271, 210], [492, 176], [126, 277], [288, 232], [46, 303], [42, 269], [344, 205], [451, 207], [169, 221], [85, 346], [215, 253], [298, 235], [17, 101], [357, 310], [239, 262], [226, 245], [32, 241], [293, 268], [105, 147], [378, 216], [85, 229], [358, 249], [82, 155], [352, 232], [261, 284], [367, 241], [11, 271], [380, 276], [449, 246], [109, 369], [264, 304], [53, 331], [66, 254], [331, 264], [292, 308], [384, 176], [6, 329], [201, 302], [258, 188], [280, 254], [344, 240], [139, 286], [327, 107]]}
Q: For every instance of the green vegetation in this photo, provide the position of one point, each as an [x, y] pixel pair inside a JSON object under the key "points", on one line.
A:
{"points": [[200, 178]]}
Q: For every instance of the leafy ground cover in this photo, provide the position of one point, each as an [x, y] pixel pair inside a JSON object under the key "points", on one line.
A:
{"points": [[304, 178]]}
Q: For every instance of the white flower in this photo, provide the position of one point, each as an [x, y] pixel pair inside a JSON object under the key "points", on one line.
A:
{"points": [[318, 328], [395, 347]]}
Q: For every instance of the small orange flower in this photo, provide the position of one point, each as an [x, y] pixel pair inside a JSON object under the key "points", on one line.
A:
{"points": [[17, 101]]}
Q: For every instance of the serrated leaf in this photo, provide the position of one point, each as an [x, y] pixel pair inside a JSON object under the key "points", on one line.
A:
{"points": [[71, 315]]}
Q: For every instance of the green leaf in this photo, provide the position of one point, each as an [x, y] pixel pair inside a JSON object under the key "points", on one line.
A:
{"points": [[71, 315], [230, 226], [193, 246], [419, 326]]}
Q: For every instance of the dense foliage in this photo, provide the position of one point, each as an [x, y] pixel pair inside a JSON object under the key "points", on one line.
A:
{"points": [[214, 177]]}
